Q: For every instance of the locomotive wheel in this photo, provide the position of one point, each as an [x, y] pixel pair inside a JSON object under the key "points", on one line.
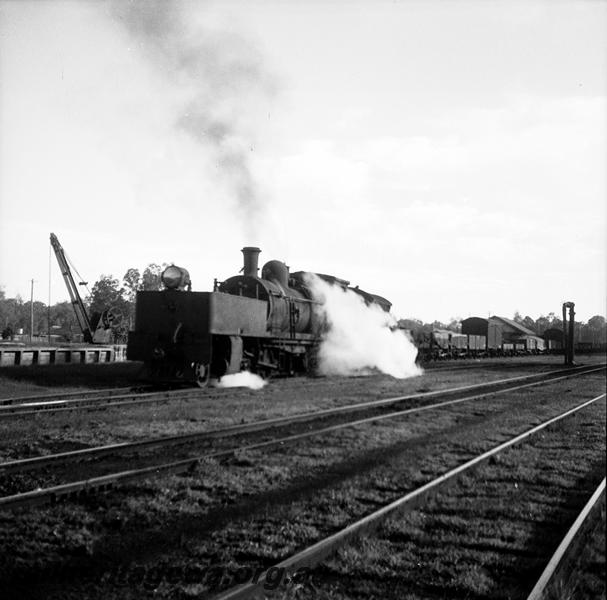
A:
{"points": [[202, 374]]}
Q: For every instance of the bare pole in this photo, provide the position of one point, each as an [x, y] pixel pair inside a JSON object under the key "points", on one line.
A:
{"points": [[32, 312], [48, 309]]}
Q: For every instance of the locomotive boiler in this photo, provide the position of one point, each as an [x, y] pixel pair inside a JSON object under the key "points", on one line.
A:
{"points": [[267, 324]]}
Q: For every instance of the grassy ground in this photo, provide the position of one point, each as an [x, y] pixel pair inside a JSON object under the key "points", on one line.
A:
{"points": [[588, 577], [489, 536], [257, 507], [47, 433], [41, 379]]}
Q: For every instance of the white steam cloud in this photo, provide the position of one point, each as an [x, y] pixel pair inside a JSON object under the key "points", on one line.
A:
{"points": [[360, 339], [242, 379]]}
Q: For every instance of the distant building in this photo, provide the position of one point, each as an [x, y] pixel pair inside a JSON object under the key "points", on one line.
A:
{"points": [[510, 335], [504, 334], [475, 326]]}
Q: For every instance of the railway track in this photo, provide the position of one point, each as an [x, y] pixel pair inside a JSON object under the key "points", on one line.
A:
{"points": [[311, 556], [248, 528], [40, 398], [552, 582], [377, 408], [24, 406]]}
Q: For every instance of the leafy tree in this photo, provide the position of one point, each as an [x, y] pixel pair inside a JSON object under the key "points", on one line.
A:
{"points": [[108, 295], [597, 322], [455, 325], [541, 324], [132, 283], [105, 294], [40, 317], [410, 324], [595, 330], [63, 319], [529, 323], [150, 280], [11, 313]]}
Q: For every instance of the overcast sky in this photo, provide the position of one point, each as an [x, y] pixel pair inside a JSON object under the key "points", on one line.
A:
{"points": [[449, 156]]}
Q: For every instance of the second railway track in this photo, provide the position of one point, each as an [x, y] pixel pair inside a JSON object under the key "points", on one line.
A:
{"points": [[101, 477]]}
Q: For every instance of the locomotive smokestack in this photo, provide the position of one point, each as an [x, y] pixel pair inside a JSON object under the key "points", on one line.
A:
{"points": [[251, 253]]}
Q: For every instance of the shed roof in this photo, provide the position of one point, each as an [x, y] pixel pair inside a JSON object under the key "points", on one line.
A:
{"points": [[514, 325], [475, 326]]}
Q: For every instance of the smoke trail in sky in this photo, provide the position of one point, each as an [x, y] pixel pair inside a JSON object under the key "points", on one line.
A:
{"points": [[360, 339], [242, 379], [225, 79]]}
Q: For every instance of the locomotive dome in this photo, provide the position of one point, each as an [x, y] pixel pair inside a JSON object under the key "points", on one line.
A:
{"points": [[277, 271]]}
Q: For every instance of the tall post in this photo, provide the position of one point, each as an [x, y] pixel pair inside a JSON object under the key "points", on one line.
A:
{"points": [[48, 308], [565, 343], [568, 332], [571, 337], [32, 312]]}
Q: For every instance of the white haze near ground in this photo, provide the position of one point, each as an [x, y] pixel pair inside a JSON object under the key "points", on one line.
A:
{"points": [[242, 379], [360, 339]]}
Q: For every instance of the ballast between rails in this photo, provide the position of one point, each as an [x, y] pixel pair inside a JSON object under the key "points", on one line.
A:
{"points": [[50, 495], [313, 555]]}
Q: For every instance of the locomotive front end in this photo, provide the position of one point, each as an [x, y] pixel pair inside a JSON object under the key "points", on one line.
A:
{"points": [[188, 336]]}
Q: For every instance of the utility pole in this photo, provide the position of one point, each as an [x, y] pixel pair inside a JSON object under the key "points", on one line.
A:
{"points": [[32, 312], [48, 308]]}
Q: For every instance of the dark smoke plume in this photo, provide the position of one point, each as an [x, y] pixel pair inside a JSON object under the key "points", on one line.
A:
{"points": [[226, 77]]}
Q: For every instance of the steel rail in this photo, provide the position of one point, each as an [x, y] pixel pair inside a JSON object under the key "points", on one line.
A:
{"points": [[61, 396], [317, 552], [33, 407], [37, 462], [571, 539], [51, 494], [129, 399]]}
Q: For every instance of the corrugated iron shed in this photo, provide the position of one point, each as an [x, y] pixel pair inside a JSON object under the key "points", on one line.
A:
{"points": [[475, 326]]}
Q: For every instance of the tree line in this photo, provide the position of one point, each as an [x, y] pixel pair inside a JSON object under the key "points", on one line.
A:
{"points": [[60, 319], [119, 296]]}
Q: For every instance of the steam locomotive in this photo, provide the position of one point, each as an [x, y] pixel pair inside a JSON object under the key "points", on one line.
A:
{"points": [[268, 325]]}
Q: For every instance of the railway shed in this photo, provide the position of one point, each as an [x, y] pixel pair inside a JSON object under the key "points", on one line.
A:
{"points": [[510, 335], [475, 326], [504, 334]]}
